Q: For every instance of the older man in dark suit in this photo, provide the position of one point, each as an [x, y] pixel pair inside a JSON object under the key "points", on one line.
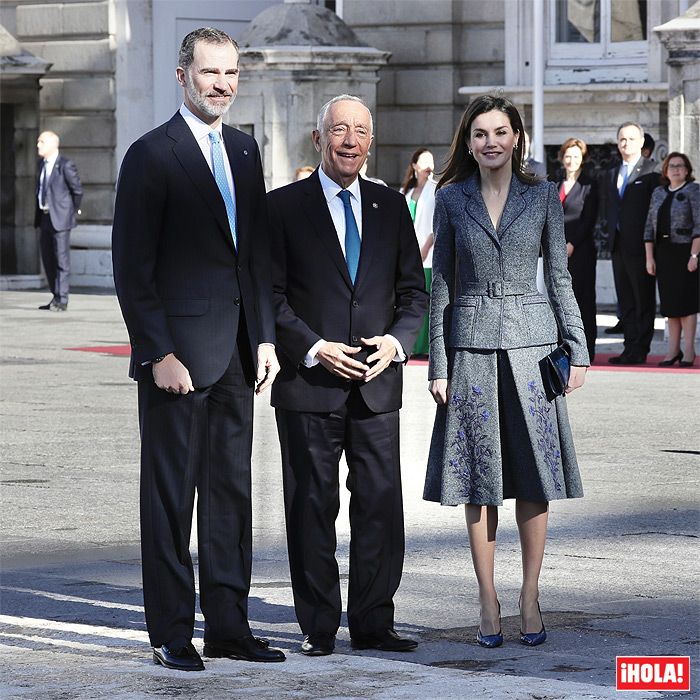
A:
{"points": [[626, 193], [191, 263], [58, 197], [349, 295]]}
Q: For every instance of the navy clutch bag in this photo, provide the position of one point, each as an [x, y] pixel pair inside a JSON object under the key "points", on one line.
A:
{"points": [[555, 369]]}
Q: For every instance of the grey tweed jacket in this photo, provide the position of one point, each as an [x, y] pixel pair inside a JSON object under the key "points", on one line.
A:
{"points": [[685, 213], [484, 294]]}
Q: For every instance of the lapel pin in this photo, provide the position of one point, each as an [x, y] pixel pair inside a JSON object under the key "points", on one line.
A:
{"points": [[375, 205], [245, 153]]}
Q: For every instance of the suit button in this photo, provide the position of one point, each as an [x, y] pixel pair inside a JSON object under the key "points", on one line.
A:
{"points": [[237, 301], [354, 339], [239, 268], [355, 303]]}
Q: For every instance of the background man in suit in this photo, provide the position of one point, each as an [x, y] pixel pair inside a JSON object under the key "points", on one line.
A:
{"points": [[349, 296], [626, 194], [191, 263], [58, 196]]}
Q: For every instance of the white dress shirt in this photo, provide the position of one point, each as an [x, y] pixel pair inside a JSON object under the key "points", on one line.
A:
{"points": [[621, 174], [336, 209], [200, 130], [45, 174]]}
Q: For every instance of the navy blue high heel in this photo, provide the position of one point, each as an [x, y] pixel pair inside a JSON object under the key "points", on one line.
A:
{"points": [[533, 639], [491, 641]]}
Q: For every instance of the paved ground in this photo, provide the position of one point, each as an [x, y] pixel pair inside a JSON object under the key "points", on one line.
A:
{"points": [[620, 574]]}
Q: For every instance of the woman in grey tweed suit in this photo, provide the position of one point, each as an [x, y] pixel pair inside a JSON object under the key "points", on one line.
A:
{"points": [[496, 436]]}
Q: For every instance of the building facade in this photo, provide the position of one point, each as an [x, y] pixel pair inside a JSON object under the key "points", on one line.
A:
{"points": [[111, 78]]}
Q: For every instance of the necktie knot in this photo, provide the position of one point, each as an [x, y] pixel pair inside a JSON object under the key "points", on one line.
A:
{"points": [[214, 136], [345, 196]]}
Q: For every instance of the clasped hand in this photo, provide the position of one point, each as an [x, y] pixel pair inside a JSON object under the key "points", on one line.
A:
{"points": [[337, 358]]}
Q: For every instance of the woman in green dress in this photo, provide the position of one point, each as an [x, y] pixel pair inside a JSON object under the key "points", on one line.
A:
{"points": [[419, 189]]}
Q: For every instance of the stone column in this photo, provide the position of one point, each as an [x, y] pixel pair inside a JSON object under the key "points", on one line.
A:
{"points": [[681, 38], [294, 57]]}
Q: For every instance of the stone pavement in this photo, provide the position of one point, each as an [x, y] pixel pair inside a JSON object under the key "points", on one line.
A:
{"points": [[619, 578]]}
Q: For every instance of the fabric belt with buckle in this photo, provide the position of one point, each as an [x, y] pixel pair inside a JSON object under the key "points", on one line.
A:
{"points": [[498, 288]]}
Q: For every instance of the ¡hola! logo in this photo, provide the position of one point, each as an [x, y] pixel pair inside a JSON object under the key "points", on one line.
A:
{"points": [[652, 673]]}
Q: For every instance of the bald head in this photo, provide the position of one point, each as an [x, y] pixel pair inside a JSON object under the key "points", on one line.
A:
{"points": [[47, 144]]}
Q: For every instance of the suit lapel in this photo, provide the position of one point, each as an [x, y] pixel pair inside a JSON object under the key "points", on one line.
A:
{"points": [[515, 205], [190, 156], [476, 208], [316, 209], [55, 172], [371, 228]]}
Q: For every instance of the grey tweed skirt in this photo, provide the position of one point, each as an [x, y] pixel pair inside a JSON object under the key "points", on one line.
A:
{"points": [[498, 436]]}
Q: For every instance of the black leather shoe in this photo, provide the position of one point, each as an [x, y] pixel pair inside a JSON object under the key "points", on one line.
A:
{"points": [[180, 658], [617, 359], [246, 648], [318, 645], [386, 640], [632, 359], [47, 307], [617, 329]]}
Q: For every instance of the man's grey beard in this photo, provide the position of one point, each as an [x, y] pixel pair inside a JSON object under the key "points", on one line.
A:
{"points": [[200, 102]]}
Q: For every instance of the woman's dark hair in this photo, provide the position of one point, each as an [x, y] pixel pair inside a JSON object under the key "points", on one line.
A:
{"points": [[677, 154], [461, 164], [409, 178]]}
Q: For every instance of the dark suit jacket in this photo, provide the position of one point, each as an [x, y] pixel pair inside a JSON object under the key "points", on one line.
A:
{"points": [[625, 218], [180, 282], [580, 212], [63, 194], [315, 298]]}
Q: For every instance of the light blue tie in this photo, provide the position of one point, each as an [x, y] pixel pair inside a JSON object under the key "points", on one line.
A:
{"points": [[352, 236], [625, 177], [217, 159]]}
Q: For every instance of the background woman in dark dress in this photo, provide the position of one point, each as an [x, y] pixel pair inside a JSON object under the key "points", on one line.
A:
{"points": [[579, 196], [672, 240]]}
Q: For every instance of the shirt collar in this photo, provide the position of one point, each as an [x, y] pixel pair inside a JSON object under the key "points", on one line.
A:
{"points": [[332, 188], [631, 166], [50, 162], [200, 129]]}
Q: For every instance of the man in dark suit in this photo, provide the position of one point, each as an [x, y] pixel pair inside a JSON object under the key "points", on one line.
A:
{"points": [[349, 296], [626, 193], [191, 261], [58, 197]]}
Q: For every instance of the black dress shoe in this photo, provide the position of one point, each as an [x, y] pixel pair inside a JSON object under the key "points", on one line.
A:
{"points": [[617, 329], [617, 359], [246, 648], [180, 658], [318, 645], [386, 640], [47, 307], [632, 359]]}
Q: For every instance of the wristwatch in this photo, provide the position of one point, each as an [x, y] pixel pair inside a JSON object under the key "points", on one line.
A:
{"points": [[158, 359], [694, 255]]}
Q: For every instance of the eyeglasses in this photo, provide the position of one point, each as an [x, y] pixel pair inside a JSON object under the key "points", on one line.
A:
{"points": [[341, 130], [677, 166]]}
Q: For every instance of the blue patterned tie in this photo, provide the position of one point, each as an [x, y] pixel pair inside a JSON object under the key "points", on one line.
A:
{"points": [[352, 236], [217, 159]]}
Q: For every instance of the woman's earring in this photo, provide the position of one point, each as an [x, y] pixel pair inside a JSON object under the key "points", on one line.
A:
{"points": [[469, 151]]}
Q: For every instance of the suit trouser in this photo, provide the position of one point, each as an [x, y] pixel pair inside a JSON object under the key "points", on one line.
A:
{"points": [[582, 267], [312, 444], [55, 255], [201, 440], [636, 294]]}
